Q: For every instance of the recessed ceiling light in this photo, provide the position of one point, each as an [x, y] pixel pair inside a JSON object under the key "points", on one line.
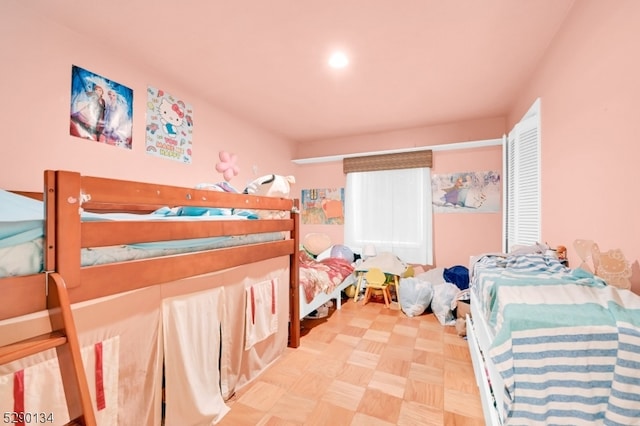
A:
{"points": [[338, 60]]}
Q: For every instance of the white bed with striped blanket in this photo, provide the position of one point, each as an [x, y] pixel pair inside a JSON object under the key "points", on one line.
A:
{"points": [[552, 345]]}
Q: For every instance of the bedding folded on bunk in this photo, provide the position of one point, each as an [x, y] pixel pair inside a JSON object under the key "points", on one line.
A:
{"points": [[111, 254], [205, 211], [22, 259], [21, 235], [21, 219]]}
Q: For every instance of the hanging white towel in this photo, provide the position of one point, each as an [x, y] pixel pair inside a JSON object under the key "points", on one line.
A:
{"points": [[192, 353], [38, 389], [261, 320]]}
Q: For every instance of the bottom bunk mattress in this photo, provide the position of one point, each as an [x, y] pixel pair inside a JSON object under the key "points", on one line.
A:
{"points": [[564, 343]]}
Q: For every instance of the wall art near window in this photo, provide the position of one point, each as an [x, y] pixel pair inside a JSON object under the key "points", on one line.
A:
{"points": [[169, 126], [101, 109], [323, 206], [466, 192]]}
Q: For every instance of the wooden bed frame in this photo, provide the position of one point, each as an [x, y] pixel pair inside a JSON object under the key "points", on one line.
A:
{"points": [[489, 381], [65, 235], [66, 281]]}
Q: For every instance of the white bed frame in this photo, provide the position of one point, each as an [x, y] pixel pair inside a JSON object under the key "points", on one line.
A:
{"points": [[322, 298], [488, 379]]}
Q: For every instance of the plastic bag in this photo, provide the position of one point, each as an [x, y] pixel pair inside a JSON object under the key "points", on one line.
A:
{"points": [[415, 296], [443, 296]]}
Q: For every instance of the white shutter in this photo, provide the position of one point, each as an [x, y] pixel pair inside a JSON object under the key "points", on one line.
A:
{"points": [[523, 221]]}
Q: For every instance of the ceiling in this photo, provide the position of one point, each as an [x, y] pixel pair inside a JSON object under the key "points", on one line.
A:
{"points": [[412, 62]]}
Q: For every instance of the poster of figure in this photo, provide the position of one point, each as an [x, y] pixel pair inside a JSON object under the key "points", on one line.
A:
{"points": [[169, 126], [101, 109], [466, 192], [323, 206]]}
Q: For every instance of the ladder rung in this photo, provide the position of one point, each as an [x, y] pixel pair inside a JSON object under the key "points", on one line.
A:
{"points": [[31, 346]]}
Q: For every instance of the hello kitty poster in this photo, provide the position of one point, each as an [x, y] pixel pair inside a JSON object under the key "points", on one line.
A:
{"points": [[169, 126]]}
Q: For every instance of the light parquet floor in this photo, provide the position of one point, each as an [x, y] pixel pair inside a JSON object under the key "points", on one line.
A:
{"points": [[365, 365]]}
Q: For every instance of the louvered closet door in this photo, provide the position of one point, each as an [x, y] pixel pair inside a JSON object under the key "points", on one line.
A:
{"points": [[523, 207]]}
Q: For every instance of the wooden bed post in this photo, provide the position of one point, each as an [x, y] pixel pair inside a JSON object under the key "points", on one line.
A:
{"points": [[294, 281], [49, 199], [67, 247]]}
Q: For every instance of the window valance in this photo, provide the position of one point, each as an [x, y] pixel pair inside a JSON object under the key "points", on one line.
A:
{"points": [[401, 160]]}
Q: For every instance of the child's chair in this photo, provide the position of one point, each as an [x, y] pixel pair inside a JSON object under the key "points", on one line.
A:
{"points": [[376, 283]]}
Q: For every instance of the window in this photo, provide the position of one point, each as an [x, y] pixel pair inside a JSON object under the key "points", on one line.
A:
{"points": [[522, 223], [391, 209]]}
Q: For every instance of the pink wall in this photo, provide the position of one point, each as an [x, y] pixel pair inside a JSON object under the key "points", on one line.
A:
{"points": [[456, 236], [35, 84], [589, 85]]}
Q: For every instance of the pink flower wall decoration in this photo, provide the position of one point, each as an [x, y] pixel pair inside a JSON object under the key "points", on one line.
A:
{"points": [[227, 165]]}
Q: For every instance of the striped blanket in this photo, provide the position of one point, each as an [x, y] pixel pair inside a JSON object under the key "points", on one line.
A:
{"points": [[566, 344]]}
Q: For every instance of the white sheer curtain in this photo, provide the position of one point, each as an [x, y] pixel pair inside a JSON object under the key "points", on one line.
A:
{"points": [[391, 209]]}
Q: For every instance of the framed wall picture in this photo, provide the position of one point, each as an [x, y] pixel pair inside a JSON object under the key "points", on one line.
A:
{"points": [[169, 126], [323, 206], [101, 109], [466, 192]]}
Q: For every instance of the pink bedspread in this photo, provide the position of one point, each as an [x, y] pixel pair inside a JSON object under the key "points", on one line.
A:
{"points": [[322, 276]]}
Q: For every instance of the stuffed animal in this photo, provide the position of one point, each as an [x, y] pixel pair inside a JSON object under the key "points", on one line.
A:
{"points": [[461, 327], [271, 186]]}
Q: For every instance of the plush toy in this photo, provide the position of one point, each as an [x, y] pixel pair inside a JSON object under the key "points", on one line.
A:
{"points": [[271, 186]]}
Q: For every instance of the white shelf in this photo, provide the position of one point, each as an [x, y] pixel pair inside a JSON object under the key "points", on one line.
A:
{"points": [[435, 148]]}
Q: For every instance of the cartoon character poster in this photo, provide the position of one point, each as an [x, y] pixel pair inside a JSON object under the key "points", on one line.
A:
{"points": [[169, 126], [323, 206], [101, 109], [466, 192]]}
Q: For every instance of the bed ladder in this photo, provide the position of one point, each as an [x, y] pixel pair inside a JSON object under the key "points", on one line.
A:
{"points": [[64, 338]]}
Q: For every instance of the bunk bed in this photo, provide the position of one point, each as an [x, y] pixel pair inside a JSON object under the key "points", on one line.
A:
{"points": [[552, 345], [194, 251]]}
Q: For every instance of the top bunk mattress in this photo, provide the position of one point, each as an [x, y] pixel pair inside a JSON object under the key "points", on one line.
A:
{"points": [[22, 235]]}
